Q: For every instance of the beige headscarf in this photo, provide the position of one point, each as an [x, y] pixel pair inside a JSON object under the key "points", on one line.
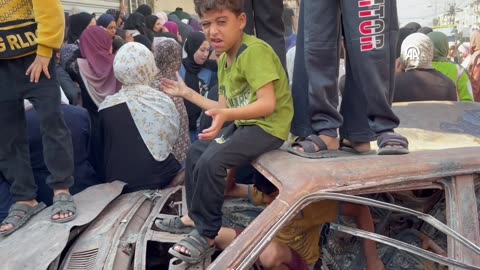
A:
{"points": [[417, 52]]}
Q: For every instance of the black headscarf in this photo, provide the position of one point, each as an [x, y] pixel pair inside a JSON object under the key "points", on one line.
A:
{"points": [[143, 40], [425, 30], [136, 21], [78, 23], [150, 21], [145, 10], [192, 44], [413, 25]]}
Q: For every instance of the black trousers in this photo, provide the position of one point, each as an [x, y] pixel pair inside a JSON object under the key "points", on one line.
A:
{"points": [[264, 19], [14, 149], [206, 169], [370, 32]]}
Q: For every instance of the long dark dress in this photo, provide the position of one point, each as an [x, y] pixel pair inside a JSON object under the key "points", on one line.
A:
{"points": [[125, 155]]}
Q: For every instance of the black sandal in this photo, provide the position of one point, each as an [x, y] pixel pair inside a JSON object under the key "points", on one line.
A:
{"points": [[391, 143], [63, 204], [172, 225], [309, 150], [197, 245], [19, 214]]}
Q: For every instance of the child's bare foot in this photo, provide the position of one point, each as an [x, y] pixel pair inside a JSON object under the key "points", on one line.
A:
{"points": [[360, 147], [187, 221]]}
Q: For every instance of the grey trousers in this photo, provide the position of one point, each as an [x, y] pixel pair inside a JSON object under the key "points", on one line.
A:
{"points": [[14, 147], [370, 30]]}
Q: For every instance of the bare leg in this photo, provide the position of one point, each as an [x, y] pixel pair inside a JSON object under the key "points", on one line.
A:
{"points": [[276, 255]]}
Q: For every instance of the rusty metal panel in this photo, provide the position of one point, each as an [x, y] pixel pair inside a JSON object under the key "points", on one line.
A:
{"points": [[462, 216], [345, 175], [146, 233], [41, 240]]}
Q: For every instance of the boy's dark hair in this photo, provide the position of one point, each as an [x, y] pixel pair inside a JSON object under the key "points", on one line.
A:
{"points": [[204, 6], [263, 184]]}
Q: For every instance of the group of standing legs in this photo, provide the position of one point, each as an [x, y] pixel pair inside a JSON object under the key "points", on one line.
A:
{"points": [[368, 30]]}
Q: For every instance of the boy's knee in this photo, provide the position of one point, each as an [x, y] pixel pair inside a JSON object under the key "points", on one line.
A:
{"points": [[274, 255]]}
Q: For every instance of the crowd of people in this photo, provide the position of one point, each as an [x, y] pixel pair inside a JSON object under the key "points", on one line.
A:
{"points": [[137, 97]]}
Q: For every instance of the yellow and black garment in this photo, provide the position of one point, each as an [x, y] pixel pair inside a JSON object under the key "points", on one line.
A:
{"points": [[29, 26]]}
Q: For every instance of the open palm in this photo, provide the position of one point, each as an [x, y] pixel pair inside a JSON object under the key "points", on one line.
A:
{"points": [[175, 88]]}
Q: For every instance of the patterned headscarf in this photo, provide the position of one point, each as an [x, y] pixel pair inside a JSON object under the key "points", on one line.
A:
{"points": [[417, 52], [168, 58], [152, 111]]}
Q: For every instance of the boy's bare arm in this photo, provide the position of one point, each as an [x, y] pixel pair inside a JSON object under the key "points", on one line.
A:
{"points": [[180, 89]]}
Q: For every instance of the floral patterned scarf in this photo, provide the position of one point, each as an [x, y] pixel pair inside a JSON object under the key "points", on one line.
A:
{"points": [[153, 112]]}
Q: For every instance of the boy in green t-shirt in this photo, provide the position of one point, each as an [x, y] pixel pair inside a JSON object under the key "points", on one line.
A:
{"points": [[254, 93]]}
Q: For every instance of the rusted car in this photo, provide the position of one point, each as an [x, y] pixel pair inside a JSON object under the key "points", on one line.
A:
{"points": [[425, 206]]}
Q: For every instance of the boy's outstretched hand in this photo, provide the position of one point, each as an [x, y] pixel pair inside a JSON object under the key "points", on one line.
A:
{"points": [[219, 118], [39, 65], [175, 88]]}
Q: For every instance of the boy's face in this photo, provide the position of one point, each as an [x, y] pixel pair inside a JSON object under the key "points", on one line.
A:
{"points": [[223, 29]]}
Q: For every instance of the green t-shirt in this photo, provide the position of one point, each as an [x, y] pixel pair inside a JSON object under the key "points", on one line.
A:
{"points": [[255, 65]]}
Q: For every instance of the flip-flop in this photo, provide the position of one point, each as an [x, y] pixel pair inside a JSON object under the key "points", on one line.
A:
{"points": [[391, 143], [197, 245], [349, 149], [172, 225], [308, 146], [19, 214], [63, 203]]}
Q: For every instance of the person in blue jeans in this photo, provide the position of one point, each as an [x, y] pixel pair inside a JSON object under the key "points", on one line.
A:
{"points": [[370, 33]]}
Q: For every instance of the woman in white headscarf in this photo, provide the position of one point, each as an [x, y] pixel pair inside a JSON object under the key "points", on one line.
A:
{"points": [[139, 125], [418, 80]]}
